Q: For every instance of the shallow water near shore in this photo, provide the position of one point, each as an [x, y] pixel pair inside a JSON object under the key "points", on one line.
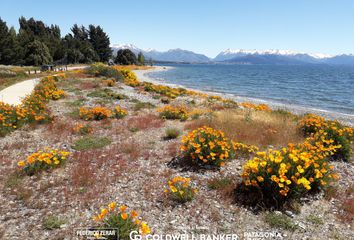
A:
{"points": [[326, 90]]}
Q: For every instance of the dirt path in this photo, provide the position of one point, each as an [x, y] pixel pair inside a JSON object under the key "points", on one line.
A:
{"points": [[15, 93]]}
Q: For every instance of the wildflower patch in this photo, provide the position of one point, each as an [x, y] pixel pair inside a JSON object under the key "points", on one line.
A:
{"points": [[43, 160], [207, 146], [120, 218]]}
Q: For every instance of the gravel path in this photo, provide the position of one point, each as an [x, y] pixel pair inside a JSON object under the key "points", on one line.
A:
{"points": [[15, 93]]}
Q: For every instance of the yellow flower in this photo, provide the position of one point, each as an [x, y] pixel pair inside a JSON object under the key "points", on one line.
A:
{"points": [[104, 211], [145, 229], [112, 206], [21, 163], [260, 179], [173, 188]]}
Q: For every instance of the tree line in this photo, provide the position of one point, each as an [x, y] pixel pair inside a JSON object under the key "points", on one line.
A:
{"points": [[36, 44]]}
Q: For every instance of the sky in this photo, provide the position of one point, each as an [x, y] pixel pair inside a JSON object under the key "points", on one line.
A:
{"points": [[203, 26]]}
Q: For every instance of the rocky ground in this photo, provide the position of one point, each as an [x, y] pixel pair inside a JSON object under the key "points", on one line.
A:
{"points": [[133, 169]]}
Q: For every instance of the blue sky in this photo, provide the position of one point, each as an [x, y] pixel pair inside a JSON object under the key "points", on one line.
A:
{"points": [[204, 26]]}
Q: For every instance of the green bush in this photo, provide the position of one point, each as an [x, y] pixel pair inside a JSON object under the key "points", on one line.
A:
{"points": [[344, 152], [340, 134], [280, 221], [106, 93], [102, 70], [91, 142], [172, 133], [219, 183], [52, 222]]}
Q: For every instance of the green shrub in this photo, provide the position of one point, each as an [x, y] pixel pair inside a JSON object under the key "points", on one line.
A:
{"points": [[141, 105], [102, 70], [106, 93], [280, 221], [219, 183], [52, 222], [314, 219], [344, 152], [91, 142], [165, 100], [172, 133]]}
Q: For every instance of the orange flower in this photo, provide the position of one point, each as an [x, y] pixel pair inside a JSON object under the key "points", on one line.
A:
{"points": [[123, 208], [124, 216], [134, 214], [112, 206]]}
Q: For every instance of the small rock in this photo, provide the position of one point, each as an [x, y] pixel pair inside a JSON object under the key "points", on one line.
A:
{"points": [[289, 213]]}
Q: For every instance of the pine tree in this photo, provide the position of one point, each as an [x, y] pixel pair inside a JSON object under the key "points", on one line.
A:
{"points": [[8, 44], [100, 43], [37, 53], [141, 59], [78, 46], [126, 57]]}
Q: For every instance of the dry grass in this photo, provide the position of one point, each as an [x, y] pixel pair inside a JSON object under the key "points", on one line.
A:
{"points": [[173, 149], [145, 122], [225, 186], [253, 127], [59, 130], [82, 174], [84, 85], [92, 172], [78, 73], [131, 150], [346, 207]]}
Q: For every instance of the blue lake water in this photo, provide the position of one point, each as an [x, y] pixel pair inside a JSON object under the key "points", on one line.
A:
{"points": [[316, 87]]}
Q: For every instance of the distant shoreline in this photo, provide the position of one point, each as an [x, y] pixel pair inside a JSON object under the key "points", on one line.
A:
{"points": [[342, 117]]}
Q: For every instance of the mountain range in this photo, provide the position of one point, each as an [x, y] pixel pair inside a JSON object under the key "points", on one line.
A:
{"points": [[172, 55], [241, 56]]}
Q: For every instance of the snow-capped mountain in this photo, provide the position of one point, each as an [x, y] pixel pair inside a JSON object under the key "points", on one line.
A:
{"points": [[281, 57], [172, 55], [230, 54], [241, 56]]}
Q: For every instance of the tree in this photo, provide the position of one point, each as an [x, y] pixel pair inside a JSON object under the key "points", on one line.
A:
{"points": [[37, 53], [126, 57], [100, 43], [8, 44], [141, 59], [78, 48], [31, 30], [37, 43]]}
